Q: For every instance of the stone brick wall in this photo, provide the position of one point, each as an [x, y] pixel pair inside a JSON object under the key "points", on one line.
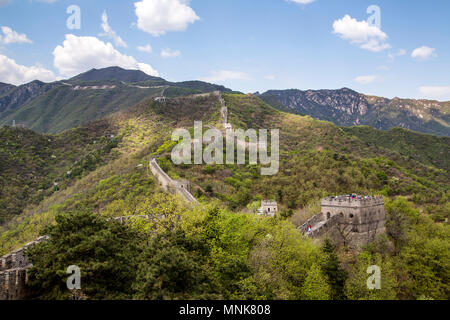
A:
{"points": [[346, 220], [169, 184], [312, 221], [13, 273]]}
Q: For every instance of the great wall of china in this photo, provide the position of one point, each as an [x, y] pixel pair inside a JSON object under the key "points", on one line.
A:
{"points": [[180, 187], [356, 220], [13, 273], [14, 266], [348, 219]]}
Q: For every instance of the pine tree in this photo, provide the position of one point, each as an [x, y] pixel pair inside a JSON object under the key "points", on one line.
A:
{"points": [[316, 286], [336, 275], [103, 250]]}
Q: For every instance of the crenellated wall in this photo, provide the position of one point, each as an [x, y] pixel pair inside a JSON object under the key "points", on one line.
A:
{"points": [[168, 184], [351, 220], [311, 222], [13, 273]]}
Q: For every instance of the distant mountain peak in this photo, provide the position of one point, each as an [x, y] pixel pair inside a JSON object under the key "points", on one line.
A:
{"points": [[2, 84], [5, 87], [114, 73]]}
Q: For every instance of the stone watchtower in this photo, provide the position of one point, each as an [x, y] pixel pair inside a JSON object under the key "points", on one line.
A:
{"points": [[268, 208], [350, 219]]}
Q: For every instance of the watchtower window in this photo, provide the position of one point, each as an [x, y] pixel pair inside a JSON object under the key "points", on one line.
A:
{"points": [[351, 215], [328, 215]]}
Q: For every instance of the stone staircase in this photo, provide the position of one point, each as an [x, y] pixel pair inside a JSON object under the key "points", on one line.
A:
{"points": [[319, 225]]}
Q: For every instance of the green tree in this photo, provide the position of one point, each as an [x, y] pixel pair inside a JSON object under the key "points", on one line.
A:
{"points": [[331, 267], [173, 266], [426, 259], [105, 251], [356, 286], [399, 214], [316, 286]]}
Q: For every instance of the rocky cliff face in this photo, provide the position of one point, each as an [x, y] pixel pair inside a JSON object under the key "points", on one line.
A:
{"points": [[4, 88], [346, 107], [14, 97]]}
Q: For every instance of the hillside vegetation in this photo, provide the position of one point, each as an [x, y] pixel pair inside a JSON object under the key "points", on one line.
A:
{"points": [[219, 249], [30, 163]]}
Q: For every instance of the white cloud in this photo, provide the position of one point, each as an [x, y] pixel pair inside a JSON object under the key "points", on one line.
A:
{"points": [[270, 77], [160, 16], [423, 53], [11, 36], [147, 48], [399, 53], [11, 72], [110, 33], [383, 68], [302, 1], [224, 75], [361, 33], [435, 91], [168, 53], [78, 54], [366, 79]]}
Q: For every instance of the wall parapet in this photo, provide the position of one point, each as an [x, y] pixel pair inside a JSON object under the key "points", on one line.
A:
{"points": [[13, 272], [349, 219], [169, 184], [356, 201], [311, 222]]}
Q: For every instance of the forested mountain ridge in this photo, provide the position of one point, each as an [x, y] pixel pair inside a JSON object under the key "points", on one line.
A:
{"points": [[346, 107], [93, 95]]}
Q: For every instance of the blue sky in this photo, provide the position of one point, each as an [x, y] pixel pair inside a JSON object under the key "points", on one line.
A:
{"points": [[247, 45]]}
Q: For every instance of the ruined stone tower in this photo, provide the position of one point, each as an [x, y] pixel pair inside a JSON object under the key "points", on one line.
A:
{"points": [[350, 219]]}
